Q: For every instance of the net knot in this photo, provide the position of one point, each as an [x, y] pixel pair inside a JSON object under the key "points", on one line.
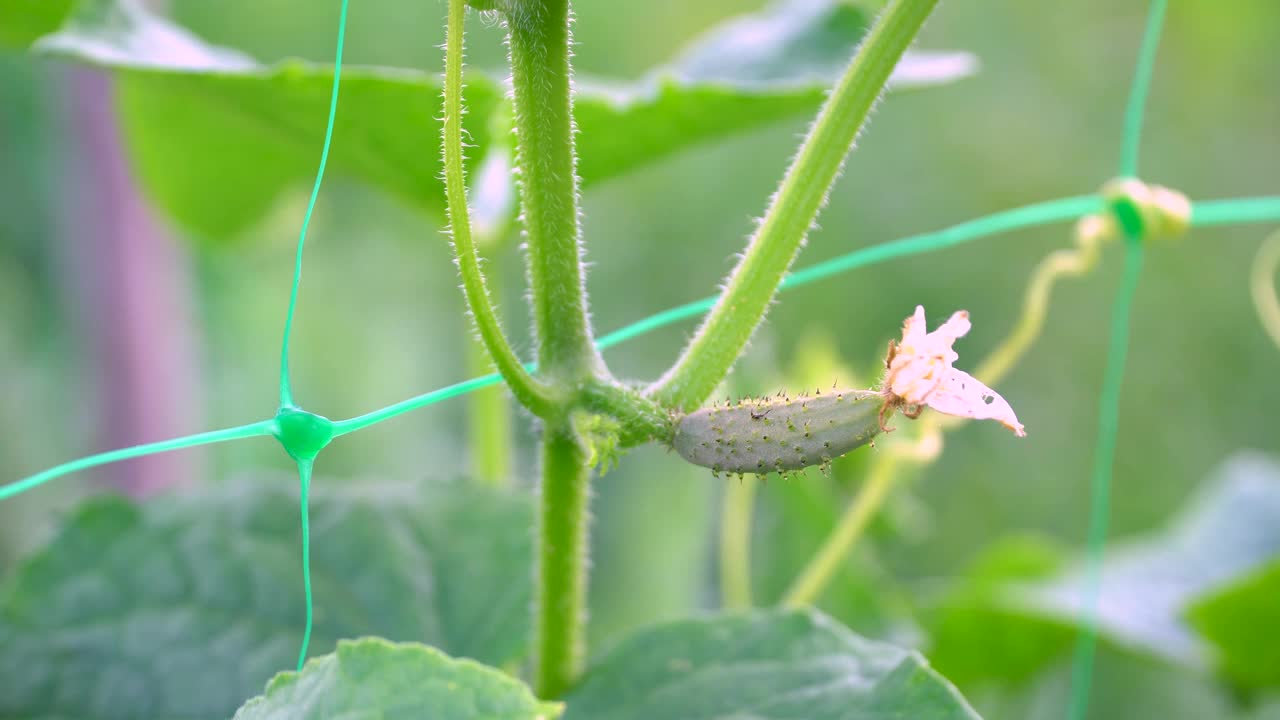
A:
{"points": [[1137, 211], [303, 434]]}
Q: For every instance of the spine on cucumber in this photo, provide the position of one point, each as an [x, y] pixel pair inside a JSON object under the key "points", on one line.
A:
{"points": [[782, 435]]}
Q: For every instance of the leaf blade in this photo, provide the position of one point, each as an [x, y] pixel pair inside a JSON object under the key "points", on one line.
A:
{"points": [[191, 603], [217, 137], [1023, 615], [372, 677], [767, 665]]}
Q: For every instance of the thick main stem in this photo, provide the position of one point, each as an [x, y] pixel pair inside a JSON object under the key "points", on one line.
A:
{"points": [[803, 192], [561, 588], [538, 34]]}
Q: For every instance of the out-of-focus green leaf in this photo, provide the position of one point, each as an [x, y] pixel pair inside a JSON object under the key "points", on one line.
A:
{"points": [[185, 606], [1239, 620], [1230, 529], [767, 665], [801, 42], [23, 21], [751, 72], [371, 678], [975, 635], [216, 137]]}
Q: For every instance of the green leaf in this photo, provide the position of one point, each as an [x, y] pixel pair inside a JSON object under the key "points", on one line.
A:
{"points": [[752, 72], [766, 665], [185, 606], [1230, 529], [217, 137], [1233, 619], [373, 678], [975, 635], [23, 21], [795, 43]]}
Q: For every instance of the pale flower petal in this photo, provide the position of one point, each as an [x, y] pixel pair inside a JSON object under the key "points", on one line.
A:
{"points": [[913, 330], [920, 372], [963, 395], [956, 327], [921, 360]]}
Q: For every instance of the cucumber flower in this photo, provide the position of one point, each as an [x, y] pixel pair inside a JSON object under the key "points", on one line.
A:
{"points": [[920, 372]]}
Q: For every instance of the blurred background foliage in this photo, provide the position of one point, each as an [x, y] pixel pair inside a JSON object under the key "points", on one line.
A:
{"points": [[381, 317]]}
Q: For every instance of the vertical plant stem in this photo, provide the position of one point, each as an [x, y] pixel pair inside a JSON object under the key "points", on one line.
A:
{"points": [[561, 587], [735, 543], [530, 393], [815, 577], [538, 35], [803, 192]]}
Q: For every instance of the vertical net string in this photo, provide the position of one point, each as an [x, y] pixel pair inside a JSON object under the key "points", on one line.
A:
{"points": [[1113, 380]]}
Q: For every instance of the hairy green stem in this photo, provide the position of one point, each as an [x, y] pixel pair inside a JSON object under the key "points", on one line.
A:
{"points": [[560, 597], [538, 35], [735, 543], [529, 392], [641, 420], [751, 286]]}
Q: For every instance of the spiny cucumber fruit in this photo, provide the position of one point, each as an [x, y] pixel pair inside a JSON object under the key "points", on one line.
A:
{"points": [[779, 434]]}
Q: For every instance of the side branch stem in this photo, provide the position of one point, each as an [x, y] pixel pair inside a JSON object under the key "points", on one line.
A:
{"points": [[529, 392], [753, 283]]}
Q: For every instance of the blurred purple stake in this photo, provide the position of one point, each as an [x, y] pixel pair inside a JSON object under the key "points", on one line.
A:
{"points": [[132, 293]]}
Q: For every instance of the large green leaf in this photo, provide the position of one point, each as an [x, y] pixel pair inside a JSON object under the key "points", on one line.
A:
{"points": [[1240, 620], [185, 606], [373, 678], [767, 665], [217, 137], [752, 72], [801, 42], [1228, 530]]}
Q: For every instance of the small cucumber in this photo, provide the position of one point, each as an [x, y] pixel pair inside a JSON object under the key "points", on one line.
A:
{"points": [[779, 434]]}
